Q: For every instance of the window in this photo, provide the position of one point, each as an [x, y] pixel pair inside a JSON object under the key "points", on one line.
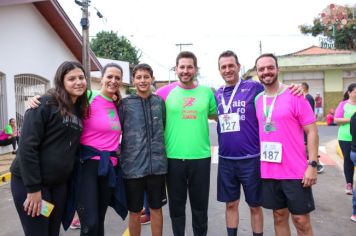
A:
{"points": [[27, 85]]}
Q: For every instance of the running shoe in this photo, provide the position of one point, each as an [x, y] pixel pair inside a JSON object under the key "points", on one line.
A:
{"points": [[348, 189], [145, 219], [75, 224], [320, 168], [353, 218]]}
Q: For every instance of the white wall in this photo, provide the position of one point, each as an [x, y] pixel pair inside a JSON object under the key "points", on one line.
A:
{"points": [[28, 44]]}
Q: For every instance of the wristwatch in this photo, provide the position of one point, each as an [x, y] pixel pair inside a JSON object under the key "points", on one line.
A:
{"points": [[314, 164]]}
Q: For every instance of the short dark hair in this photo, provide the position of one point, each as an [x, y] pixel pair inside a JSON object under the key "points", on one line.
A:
{"points": [[142, 66], [229, 53], [267, 55], [306, 85], [187, 54]]}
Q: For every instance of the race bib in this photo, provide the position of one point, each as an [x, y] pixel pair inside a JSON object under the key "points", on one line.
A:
{"points": [[271, 152], [229, 122]]}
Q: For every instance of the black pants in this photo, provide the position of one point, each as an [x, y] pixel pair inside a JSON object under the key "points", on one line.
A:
{"points": [[40, 225], [345, 147], [93, 200], [12, 141], [192, 176]]}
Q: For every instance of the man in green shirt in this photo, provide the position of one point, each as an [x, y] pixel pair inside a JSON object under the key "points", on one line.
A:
{"points": [[188, 107]]}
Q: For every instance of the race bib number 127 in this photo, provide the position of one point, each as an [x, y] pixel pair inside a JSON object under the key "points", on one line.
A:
{"points": [[229, 122]]}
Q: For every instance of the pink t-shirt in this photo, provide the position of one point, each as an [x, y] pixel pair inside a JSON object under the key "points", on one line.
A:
{"points": [[289, 115], [102, 129]]}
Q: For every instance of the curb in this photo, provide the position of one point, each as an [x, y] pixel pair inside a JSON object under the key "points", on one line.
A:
{"points": [[4, 178], [339, 152]]}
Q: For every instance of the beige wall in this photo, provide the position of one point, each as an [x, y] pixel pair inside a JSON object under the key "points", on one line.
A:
{"points": [[333, 80]]}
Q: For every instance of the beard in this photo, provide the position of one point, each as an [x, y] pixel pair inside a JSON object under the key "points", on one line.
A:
{"points": [[269, 82], [186, 81]]}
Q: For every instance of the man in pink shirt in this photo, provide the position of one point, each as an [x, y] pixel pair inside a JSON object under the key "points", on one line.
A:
{"points": [[286, 174]]}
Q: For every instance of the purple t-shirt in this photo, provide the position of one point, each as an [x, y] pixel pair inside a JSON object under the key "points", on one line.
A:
{"points": [[244, 143]]}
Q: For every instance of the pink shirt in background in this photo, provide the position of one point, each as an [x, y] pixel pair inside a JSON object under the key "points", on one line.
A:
{"points": [[289, 115], [102, 129]]}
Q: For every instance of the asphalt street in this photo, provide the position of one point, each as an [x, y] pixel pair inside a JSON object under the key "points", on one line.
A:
{"points": [[331, 217]]}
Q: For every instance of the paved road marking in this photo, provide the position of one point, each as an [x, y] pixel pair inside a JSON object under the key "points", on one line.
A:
{"points": [[5, 178], [126, 233]]}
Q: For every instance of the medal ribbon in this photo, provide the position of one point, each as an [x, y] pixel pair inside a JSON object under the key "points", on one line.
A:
{"points": [[268, 114], [227, 106]]}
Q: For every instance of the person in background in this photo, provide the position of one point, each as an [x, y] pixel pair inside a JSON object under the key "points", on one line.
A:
{"points": [[10, 135], [330, 117], [143, 156], [286, 174], [309, 97], [318, 106], [343, 113], [145, 213], [48, 150], [353, 159]]}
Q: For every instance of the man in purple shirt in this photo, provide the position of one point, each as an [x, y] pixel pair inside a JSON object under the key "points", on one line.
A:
{"points": [[239, 147]]}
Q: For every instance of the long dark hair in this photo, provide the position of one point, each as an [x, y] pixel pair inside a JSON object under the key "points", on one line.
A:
{"points": [[350, 88], [117, 94], [65, 104]]}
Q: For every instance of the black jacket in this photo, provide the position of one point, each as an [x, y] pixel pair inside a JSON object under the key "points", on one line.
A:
{"points": [[142, 146], [353, 132], [48, 146]]}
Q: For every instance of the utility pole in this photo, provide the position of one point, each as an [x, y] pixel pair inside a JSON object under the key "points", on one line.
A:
{"points": [[183, 44], [84, 22], [260, 47]]}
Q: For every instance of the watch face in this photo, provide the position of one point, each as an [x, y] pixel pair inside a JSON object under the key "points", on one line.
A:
{"points": [[313, 163]]}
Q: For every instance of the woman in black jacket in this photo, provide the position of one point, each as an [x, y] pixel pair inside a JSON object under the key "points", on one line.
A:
{"points": [[48, 150]]}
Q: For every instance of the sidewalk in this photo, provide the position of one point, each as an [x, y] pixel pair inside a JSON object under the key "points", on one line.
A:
{"points": [[5, 163]]}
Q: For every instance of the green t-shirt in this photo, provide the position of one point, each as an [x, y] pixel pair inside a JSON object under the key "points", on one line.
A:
{"points": [[345, 110], [187, 128], [8, 129]]}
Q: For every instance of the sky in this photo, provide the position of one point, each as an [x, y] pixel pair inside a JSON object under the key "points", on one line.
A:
{"points": [[155, 27]]}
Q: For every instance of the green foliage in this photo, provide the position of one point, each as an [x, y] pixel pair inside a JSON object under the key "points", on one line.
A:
{"points": [[345, 37], [109, 45]]}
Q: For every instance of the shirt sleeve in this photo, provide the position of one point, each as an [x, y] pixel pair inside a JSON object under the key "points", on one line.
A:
{"points": [[212, 103], [29, 158], [339, 113], [305, 113]]}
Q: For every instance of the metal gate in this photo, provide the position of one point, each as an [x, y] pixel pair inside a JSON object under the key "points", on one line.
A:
{"points": [[3, 114], [27, 85]]}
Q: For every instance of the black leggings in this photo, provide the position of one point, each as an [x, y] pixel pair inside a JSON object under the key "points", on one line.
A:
{"points": [[93, 200], [192, 177], [345, 147], [40, 225], [12, 141]]}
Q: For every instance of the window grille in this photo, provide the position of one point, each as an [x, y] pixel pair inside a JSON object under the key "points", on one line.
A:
{"points": [[26, 86]]}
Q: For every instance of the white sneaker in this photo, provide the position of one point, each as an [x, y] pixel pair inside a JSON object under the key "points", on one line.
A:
{"points": [[348, 189]]}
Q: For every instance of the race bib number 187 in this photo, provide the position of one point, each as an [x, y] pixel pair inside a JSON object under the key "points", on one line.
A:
{"points": [[271, 152]]}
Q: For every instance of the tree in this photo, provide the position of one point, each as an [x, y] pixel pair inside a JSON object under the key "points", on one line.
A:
{"points": [[109, 45], [337, 24]]}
